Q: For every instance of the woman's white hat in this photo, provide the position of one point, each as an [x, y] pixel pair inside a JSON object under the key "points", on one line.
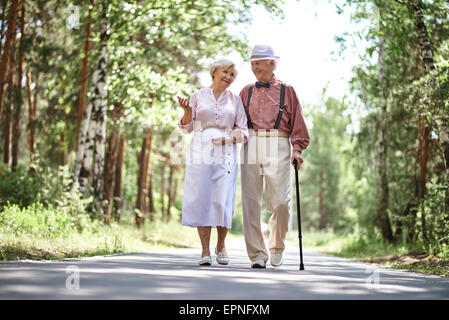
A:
{"points": [[262, 52]]}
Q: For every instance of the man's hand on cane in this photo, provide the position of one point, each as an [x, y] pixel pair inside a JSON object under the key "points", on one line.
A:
{"points": [[296, 155]]}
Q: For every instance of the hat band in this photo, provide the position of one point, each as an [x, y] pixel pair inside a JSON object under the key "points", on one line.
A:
{"points": [[261, 56]]}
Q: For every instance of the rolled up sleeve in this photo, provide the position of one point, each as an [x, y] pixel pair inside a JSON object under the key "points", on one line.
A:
{"points": [[299, 134], [240, 131]]}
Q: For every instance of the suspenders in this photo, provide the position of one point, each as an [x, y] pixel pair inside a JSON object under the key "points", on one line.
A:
{"points": [[250, 93], [281, 107]]}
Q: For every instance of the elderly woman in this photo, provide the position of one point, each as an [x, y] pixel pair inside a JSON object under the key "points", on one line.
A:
{"points": [[218, 120]]}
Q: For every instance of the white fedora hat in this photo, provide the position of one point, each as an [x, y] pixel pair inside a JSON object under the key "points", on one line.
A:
{"points": [[262, 52]]}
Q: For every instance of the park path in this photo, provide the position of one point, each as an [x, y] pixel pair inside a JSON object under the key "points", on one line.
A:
{"points": [[173, 274]]}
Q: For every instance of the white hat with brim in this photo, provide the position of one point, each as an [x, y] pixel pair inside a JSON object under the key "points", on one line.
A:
{"points": [[263, 52]]}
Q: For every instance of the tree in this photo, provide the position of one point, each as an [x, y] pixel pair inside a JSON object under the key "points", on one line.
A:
{"points": [[324, 168], [407, 100], [8, 49]]}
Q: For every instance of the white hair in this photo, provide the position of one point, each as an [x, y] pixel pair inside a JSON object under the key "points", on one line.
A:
{"points": [[220, 63], [275, 62]]}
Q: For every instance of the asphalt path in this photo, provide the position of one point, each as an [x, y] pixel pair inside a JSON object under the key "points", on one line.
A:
{"points": [[173, 274]]}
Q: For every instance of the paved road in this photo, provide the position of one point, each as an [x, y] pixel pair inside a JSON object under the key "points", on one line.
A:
{"points": [[173, 274]]}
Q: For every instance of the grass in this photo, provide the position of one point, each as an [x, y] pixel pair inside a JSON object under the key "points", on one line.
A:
{"points": [[399, 256], [39, 233]]}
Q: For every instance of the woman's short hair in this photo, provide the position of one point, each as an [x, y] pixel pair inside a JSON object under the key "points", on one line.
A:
{"points": [[220, 63]]}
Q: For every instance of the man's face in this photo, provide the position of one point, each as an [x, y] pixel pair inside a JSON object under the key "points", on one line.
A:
{"points": [[263, 69]]}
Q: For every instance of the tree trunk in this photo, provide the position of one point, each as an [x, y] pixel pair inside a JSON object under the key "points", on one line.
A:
{"points": [[17, 114], [63, 149], [151, 197], [2, 18], [7, 133], [163, 192], [382, 212], [412, 205], [83, 138], [8, 116], [143, 177], [427, 56], [175, 190], [118, 202], [99, 109], [321, 208], [32, 99], [170, 192], [8, 49], [109, 173], [83, 162], [422, 186], [84, 72], [110, 164]]}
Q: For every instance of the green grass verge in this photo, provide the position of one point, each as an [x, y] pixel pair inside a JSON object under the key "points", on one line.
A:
{"points": [[399, 256], [37, 233]]}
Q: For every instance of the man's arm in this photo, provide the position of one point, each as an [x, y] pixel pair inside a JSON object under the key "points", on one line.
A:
{"points": [[299, 135]]}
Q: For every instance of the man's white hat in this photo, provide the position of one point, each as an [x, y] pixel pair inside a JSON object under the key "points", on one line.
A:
{"points": [[262, 52]]}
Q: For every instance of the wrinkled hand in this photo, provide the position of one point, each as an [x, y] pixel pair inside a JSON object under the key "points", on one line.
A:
{"points": [[238, 135], [223, 140], [297, 155], [187, 117], [184, 103]]}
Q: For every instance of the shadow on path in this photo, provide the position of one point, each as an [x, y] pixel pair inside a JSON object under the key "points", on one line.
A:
{"points": [[174, 274]]}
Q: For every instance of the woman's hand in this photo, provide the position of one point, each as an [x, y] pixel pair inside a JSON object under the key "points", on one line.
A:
{"points": [[223, 140], [184, 103], [187, 117]]}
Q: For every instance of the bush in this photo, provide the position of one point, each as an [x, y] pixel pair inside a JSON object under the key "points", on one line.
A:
{"points": [[18, 187], [41, 203], [49, 187], [43, 222]]}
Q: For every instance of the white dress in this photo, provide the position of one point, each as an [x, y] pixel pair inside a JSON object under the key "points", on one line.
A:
{"points": [[211, 171]]}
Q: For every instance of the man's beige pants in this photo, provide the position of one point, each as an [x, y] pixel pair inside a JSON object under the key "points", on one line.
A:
{"points": [[269, 158]]}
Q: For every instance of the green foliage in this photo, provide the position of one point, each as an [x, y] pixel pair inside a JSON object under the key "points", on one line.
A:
{"points": [[323, 197], [409, 92], [18, 187], [44, 222], [43, 185]]}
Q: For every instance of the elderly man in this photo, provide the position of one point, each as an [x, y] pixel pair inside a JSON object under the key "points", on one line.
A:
{"points": [[276, 122]]}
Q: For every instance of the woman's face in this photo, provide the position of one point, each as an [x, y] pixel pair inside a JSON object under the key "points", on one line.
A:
{"points": [[224, 76]]}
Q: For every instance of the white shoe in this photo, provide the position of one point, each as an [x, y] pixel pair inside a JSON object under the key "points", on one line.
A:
{"points": [[276, 259], [222, 257], [259, 264], [205, 261]]}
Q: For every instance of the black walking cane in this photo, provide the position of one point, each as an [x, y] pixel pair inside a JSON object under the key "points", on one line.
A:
{"points": [[298, 207]]}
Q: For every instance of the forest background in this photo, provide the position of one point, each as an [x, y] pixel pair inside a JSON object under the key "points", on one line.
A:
{"points": [[91, 162]]}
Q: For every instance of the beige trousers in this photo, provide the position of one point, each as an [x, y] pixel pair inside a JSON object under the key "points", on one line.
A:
{"points": [[265, 158]]}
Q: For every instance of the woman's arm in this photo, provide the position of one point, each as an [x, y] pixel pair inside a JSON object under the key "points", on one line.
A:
{"points": [[186, 122], [187, 117]]}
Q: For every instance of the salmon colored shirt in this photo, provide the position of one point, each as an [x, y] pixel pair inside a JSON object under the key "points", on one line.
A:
{"points": [[264, 110]]}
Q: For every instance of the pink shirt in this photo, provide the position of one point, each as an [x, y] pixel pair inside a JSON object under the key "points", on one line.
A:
{"points": [[226, 112], [264, 110]]}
